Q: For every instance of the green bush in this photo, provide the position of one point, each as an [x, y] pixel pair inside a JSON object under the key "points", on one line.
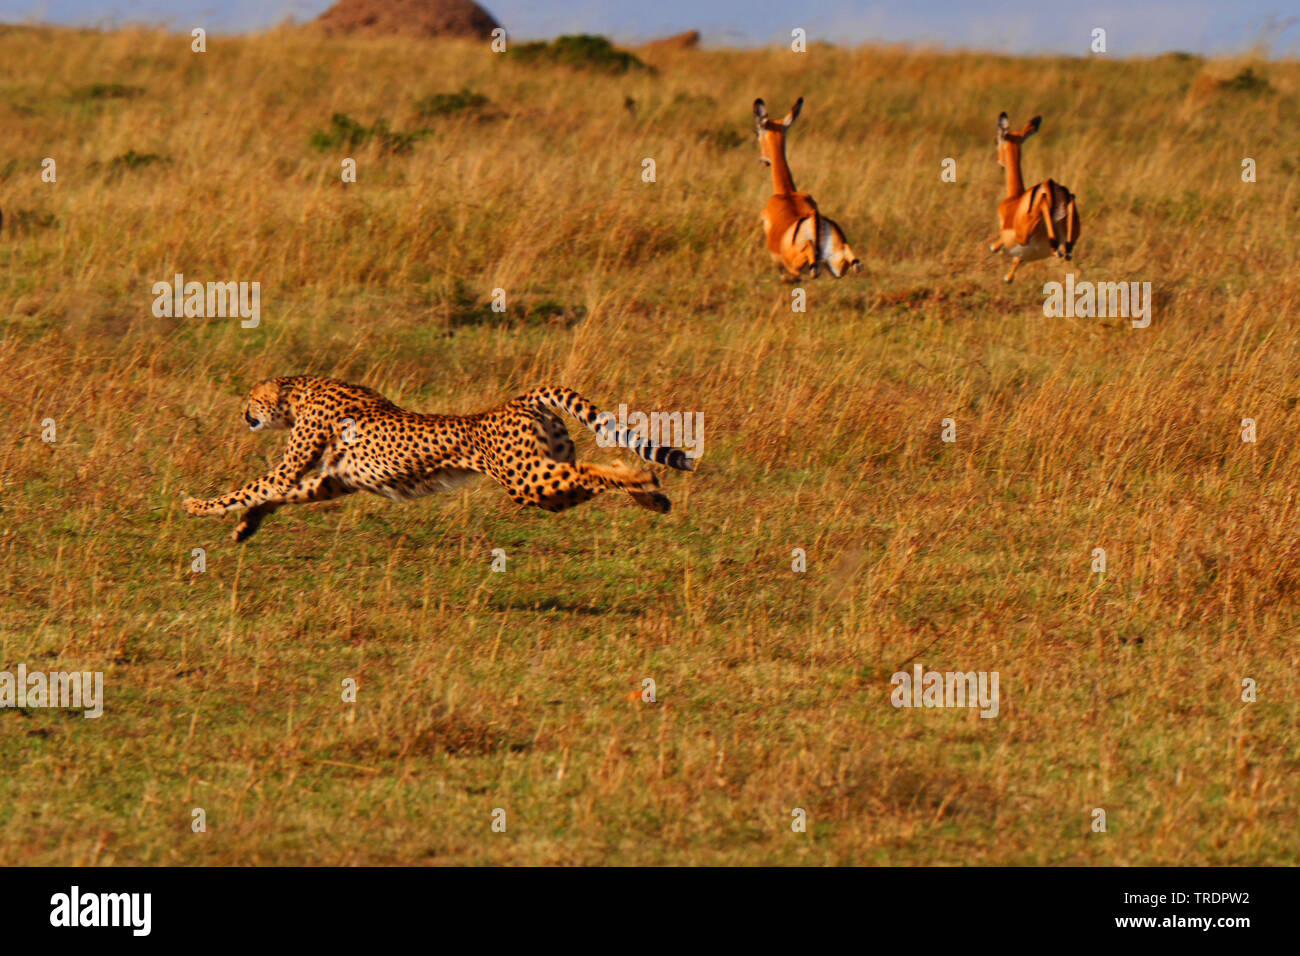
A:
{"points": [[1247, 81], [449, 104], [131, 160], [723, 138], [107, 91], [581, 52], [344, 131]]}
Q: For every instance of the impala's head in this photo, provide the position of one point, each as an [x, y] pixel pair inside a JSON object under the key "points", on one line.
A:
{"points": [[1007, 140], [771, 132], [266, 407]]}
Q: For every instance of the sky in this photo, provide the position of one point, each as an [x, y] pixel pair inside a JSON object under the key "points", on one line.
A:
{"points": [[1133, 27]]}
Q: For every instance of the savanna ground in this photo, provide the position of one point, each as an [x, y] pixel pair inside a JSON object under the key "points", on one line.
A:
{"points": [[521, 690]]}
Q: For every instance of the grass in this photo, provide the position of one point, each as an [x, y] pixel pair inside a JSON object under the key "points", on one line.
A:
{"points": [[522, 690]]}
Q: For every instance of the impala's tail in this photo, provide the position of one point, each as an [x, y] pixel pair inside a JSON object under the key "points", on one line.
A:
{"points": [[560, 399]]}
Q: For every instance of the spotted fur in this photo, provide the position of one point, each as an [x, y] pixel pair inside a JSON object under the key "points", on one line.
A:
{"points": [[345, 438]]}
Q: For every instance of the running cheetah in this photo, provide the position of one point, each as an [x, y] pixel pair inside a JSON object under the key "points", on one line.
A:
{"points": [[345, 438]]}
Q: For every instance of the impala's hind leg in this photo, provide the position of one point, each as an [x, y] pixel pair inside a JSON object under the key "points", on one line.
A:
{"points": [[799, 247], [810, 259], [1071, 227], [813, 246], [315, 488], [836, 251], [1043, 207], [806, 258], [1015, 264]]}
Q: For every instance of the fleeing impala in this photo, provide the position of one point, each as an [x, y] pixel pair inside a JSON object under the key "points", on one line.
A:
{"points": [[799, 237], [1033, 223]]}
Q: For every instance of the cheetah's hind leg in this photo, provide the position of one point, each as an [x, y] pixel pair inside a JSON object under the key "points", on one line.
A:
{"points": [[568, 485], [641, 484], [557, 441]]}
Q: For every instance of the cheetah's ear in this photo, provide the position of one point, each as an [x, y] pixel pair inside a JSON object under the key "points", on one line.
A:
{"points": [[268, 391]]}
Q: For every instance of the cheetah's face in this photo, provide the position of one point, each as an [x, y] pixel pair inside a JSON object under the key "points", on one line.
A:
{"points": [[264, 409]]}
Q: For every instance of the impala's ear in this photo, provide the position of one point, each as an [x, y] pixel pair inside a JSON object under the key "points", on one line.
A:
{"points": [[760, 110], [1002, 127], [793, 114], [1032, 127]]}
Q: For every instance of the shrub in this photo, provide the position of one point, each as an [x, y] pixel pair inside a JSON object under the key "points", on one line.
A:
{"points": [[1247, 81], [581, 52], [131, 160], [107, 91], [345, 131], [449, 104]]}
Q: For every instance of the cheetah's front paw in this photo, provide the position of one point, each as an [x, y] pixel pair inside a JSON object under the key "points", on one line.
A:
{"points": [[197, 506]]}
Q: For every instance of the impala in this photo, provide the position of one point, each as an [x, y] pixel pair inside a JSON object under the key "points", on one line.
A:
{"points": [[799, 237], [1034, 223]]}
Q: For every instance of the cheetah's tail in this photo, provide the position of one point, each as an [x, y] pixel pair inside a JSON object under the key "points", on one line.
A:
{"points": [[562, 399]]}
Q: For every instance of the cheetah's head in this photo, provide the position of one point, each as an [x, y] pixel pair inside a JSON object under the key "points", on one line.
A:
{"points": [[266, 408]]}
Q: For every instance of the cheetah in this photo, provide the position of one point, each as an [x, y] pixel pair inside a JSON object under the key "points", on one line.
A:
{"points": [[345, 438]]}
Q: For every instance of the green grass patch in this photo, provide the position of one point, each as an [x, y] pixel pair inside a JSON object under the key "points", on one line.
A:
{"points": [[580, 52]]}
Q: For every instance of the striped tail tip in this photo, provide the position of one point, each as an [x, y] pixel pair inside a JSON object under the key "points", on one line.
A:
{"points": [[679, 460]]}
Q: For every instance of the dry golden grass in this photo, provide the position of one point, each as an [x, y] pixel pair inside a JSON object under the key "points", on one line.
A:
{"points": [[520, 690]]}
